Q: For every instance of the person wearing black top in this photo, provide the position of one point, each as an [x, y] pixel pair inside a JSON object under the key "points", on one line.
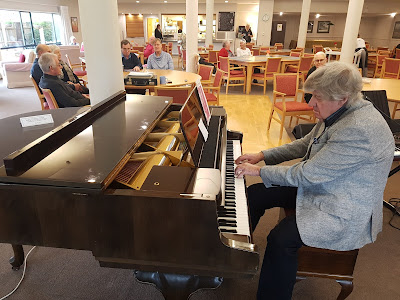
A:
{"points": [[247, 34], [158, 33], [62, 92], [319, 61], [36, 71], [129, 60]]}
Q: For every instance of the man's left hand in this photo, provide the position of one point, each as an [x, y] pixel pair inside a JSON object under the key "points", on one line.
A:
{"points": [[247, 169], [136, 69]]}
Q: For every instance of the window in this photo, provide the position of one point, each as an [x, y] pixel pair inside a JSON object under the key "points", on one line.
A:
{"points": [[26, 29]]}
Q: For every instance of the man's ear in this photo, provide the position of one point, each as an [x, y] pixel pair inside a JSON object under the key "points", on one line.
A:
{"points": [[343, 101]]}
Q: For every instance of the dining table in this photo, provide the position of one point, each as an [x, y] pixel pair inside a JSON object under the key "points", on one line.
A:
{"points": [[256, 61]]}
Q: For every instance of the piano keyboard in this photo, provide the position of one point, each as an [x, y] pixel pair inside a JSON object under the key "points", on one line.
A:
{"points": [[233, 214], [397, 152]]}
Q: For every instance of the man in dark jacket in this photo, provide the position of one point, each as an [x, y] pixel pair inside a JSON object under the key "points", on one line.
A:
{"points": [[62, 92], [129, 60], [36, 71]]}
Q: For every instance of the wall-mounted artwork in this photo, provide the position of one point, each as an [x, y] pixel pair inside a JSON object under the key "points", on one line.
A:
{"points": [[310, 26], [74, 24], [323, 26], [396, 30], [226, 21]]}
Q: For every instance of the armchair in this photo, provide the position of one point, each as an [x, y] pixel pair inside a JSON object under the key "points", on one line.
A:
{"points": [[16, 74]]}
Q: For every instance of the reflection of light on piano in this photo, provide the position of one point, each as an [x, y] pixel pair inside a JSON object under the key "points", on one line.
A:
{"points": [[92, 179], [166, 101], [143, 126]]}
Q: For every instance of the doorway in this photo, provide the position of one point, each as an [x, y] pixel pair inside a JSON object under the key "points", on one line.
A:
{"points": [[151, 26], [278, 32]]}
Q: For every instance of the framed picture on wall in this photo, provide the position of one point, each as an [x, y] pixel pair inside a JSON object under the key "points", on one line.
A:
{"points": [[396, 30], [323, 26], [74, 24], [310, 26]]}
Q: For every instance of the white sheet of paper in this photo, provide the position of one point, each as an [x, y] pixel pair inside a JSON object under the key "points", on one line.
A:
{"points": [[203, 130], [36, 120]]}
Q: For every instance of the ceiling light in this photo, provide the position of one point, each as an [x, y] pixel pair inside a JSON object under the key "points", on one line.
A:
{"points": [[165, 1], [393, 14], [317, 16], [130, 15], [137, 1], [226, 1], [140, 15], [281, 13]]}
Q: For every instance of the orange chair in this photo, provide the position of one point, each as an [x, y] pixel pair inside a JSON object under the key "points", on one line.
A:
{"points": [[317, 48], [378, 66], [170, 45], [205, 72], [295, 53], [183, 58], [271, 67], [212, 92], [164, 47], [278, 46], [210, 47], [397, 55], [179, 93], [42, 99], [286, 86], [383, 52], [250, 46], [232, 73], [308, 55], [213, 57], [179, 54], [264, 48], [382, 48], [80, 73], [302, 68], [138, 48], [51, 101], [256, 51], [391, 68]]}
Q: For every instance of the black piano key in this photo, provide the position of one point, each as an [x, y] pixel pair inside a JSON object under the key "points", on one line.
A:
{"points": [[228, 231]]}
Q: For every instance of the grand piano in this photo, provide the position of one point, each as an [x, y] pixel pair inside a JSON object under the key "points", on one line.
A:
{"points": [[87, 181]]}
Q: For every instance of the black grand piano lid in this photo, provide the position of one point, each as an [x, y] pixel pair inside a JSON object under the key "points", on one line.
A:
{"points": [[87, 159]]}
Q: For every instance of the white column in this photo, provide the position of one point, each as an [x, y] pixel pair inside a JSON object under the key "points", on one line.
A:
{"points": [[192, 28], [305, 13], [209, 22], [351, 30], [102, 48], [265, 15]]}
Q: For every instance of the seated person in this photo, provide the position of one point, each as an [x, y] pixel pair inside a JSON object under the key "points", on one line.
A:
{"points": [[36, 71], [62, 92], [129, 60], [160, 59], [393, 54], [319, 61], [242, 50], [226, 49], [73, 41], [67, 74], [149, 48], [337, 187]]}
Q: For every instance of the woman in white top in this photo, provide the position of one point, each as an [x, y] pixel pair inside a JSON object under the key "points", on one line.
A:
{"points": [[243, 51]]}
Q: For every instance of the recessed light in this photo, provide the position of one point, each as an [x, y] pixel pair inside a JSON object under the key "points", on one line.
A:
{"points": [[137, 1], [226, 1], [393, 14], [317, 16], [281, 13], [165, 1], [140, 15]]}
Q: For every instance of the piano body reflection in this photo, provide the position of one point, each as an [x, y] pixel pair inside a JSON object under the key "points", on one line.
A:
{"points": [[114, 179]]}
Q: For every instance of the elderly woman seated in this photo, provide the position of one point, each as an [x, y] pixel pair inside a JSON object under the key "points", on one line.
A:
{"points": [[67, 74], [242, 50], [160, 59]]}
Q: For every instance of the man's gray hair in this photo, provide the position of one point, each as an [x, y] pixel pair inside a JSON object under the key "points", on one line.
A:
{"points": [[336, 81], [46, 60], [225, 43]]}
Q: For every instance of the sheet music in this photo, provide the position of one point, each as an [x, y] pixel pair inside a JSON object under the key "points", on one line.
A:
{"points": [[203, 100]]}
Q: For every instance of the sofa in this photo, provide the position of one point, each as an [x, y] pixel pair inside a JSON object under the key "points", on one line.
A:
{"points": [[16, 73]]}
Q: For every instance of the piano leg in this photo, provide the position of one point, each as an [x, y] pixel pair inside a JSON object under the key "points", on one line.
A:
{"points": [[18, 259], [175, 286]]}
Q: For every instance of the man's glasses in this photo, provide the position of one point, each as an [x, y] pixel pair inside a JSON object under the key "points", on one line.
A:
{"points": [[319, 60]]}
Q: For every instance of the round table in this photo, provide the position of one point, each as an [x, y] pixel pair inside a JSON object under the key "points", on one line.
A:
{"points": [[392, 87]]}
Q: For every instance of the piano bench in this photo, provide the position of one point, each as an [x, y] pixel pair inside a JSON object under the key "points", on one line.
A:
{"points": [[324, 263]]}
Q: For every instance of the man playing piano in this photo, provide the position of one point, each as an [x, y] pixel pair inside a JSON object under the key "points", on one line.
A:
{"points": [[336, 189]]}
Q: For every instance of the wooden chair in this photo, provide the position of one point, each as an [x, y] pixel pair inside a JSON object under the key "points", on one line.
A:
{"points": [[286, 86], [210, 47], [264, 48], [138, 48], [51, 101], [391, 68], [267, 73], [317, 48], [324, 263], [256, 51], [212, 92], [295, 53], [213, 57], [378, 65], [170, 45], [278, 46], [205, 72], [183, 58], [164, 47], [308, 55], [42, 99], [384, 52], [80, 73], [179, 93], [232, 73], [382, 48], [397, 55], [303, 67], [249, 45]]}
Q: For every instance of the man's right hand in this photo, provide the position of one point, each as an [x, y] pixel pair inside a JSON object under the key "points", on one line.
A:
{"points": [[251, 158]]}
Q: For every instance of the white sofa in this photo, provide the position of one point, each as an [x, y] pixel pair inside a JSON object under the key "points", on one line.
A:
{"points": [[16, 74]]}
